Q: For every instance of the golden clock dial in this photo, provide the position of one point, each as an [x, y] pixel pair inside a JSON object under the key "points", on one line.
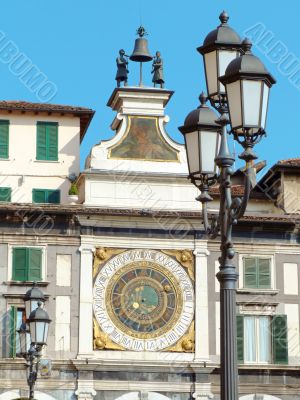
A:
{"points": [[143, 299]]}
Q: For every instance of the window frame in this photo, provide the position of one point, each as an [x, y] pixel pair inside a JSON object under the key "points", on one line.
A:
{"points": [[242, 287], [47, 191], [10, 192], [49, 123], [257, 339], [14, 341], [6, 122], [10, 261], [273, 360]]}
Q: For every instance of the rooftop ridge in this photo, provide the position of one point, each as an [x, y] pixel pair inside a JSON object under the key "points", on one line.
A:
{"points": [[295, 160], [21, 104]]}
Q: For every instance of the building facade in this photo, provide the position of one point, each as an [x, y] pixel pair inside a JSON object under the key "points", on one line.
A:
{"points": [[39, 144], [130, 275]]}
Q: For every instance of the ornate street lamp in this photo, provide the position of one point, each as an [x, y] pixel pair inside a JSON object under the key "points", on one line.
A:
{"points": [[219, 48], [237, 82], [33, 334], [31, 298], [247, 85], [38, 322], [201, 134]]}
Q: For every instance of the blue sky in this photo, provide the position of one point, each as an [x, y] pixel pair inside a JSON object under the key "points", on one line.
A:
{"points": [[75, 43]]}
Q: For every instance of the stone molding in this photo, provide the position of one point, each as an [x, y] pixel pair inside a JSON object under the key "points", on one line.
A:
{"points": [[180, 387], [86, 249], [136, 242]]}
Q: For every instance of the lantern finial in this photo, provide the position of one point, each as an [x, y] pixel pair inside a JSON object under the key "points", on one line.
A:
{"points": [[246, 45], [141, 31], [223, 17], [203, 99]]}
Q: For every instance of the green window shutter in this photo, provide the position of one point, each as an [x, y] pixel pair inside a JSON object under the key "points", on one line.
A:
{"points": [[35, 264], [53, 196], [264, 273], [5, 194], [52, 144], [240, 337], [257, 273], [280, 339], [41, 141], [46, 196], [39, 196], [12, 333], [250, 272], [4, 138], [20, 264], [47, 141]]}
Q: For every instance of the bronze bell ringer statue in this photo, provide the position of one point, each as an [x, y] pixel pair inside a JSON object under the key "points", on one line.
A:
{"points": [[140, 52], [122, 70], [157, 70]]}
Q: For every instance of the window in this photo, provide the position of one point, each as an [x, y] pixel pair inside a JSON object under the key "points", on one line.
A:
{"points": [[45, 196], [4, 138], [47, 141], [257, 272], [16, 317], [262, 339], [5, 194], [27, 264]]}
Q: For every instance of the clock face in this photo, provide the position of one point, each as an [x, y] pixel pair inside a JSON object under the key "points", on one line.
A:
{"points": [[143, 299]]}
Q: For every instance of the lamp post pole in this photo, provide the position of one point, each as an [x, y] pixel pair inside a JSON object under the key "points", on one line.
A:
{"points": [[33, 334], [32, 358], [238, 89], [227, 277]]}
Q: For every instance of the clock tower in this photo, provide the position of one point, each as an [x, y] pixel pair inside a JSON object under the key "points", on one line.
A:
{"points": [[143, 266]]}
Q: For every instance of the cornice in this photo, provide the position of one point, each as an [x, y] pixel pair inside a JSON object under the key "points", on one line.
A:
{"points": [[19, 238], [81, 209]]}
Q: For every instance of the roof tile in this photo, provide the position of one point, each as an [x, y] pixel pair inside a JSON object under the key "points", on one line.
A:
{"points": [[85, 114], [293, 162], [28, 106]]}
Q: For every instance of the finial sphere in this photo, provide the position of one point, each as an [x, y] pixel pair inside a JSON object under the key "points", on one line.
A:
{"points": [[224, 17], [246, 44], [203, 98]]}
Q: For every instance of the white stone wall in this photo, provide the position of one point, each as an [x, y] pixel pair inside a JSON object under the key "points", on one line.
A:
{"points": [[62, 324], [136, 191], [290, 278], [291, 193]]}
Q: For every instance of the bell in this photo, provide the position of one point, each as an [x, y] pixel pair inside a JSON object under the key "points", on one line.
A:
{"points": [[140, 51]]}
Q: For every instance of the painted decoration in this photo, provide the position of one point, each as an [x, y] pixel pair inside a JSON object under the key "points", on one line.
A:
{"points": [[143, 141]]}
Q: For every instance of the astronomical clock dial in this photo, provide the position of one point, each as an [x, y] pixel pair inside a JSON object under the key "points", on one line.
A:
{"points": [[143, 300]]}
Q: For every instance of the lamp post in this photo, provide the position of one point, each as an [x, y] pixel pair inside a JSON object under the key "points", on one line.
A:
{"points": [[237, 83], [33, 334]]}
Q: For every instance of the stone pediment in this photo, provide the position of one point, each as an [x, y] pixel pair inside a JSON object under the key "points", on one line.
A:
{"points": [[140, 142]]}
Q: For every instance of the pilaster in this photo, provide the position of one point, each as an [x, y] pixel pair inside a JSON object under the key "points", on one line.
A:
{"points": [[201, 303], [86, 302], [85, 390], [202, 391]]}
